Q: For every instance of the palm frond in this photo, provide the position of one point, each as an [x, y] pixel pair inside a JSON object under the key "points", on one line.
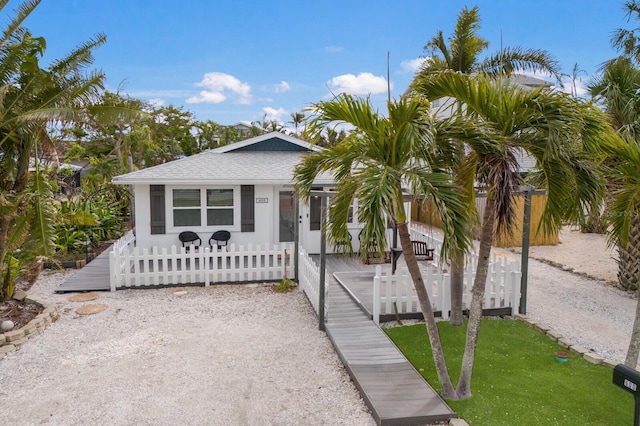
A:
{"points": [[511, 60]]}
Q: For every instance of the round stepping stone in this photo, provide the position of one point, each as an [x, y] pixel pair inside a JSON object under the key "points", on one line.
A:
{"points": [[91, 309], [83, 297]]}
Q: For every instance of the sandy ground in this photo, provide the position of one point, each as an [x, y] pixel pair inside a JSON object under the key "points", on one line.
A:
{"points": [[576, 295], [583, 253], [223, 355], [245, 355]]}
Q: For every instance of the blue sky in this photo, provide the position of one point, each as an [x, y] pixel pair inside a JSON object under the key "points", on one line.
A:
{"points": [[235, 60]]}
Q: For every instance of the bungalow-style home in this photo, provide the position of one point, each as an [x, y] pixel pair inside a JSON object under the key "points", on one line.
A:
{"points": [[245, 188]]}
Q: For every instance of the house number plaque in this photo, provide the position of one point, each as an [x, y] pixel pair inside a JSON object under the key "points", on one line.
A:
{"points": [[262, 200]]}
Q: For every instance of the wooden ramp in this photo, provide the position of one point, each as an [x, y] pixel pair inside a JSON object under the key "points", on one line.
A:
{"points": [[94, 276], [393, 390]]}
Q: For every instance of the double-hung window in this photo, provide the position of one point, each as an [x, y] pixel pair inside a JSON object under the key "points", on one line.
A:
{"points": [[186, 207], [219, 207]]}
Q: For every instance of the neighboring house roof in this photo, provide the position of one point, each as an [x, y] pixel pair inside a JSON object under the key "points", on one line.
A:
{"points": [[528, 81], [239, 163]]}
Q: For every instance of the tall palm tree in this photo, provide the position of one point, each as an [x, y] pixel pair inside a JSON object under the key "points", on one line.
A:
{"points": [[462, 54], [626, 40], [373, 163], [560, 132], [296, 119], [617, 88], [31, 98], [624, 219]]}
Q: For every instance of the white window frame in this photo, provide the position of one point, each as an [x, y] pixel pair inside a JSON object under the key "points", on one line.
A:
{"points": [[203, 209]]}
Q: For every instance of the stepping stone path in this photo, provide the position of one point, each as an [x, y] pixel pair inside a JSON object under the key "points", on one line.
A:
{"points": [[83, 297], [91, 309]]}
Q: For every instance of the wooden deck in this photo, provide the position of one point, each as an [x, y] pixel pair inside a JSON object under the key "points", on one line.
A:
{"points": [[94, 276], [393, 390]]}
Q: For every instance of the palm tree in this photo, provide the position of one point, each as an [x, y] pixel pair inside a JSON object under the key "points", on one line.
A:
{"points": [[560, 132], [624, 218], [296, 119], [617, 88], [626, 40], [462, 54], [33, 97], [373, 163]]}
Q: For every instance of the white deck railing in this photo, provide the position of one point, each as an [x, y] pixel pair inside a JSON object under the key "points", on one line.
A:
{"points": [[123, 245], [135, 267], [396, 293], [309, 279]]}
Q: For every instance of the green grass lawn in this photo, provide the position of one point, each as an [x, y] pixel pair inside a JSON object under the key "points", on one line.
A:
{"points": [[517, 380]]}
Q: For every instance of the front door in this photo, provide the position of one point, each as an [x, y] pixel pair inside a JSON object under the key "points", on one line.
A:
{"points": [[287, 215]]}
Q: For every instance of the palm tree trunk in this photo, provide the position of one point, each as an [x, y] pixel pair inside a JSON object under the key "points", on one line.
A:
{"points": [[427, 311], [629, 270], [457, 286], [629, 258], [631, 359], [477, 297]]}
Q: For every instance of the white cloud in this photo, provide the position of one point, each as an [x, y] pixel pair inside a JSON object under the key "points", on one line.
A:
{"points": [[282, 87], [363, 84], [219, 87], [412, 65], [333, 49], [272, 114], [156, 102], [580, 88]]}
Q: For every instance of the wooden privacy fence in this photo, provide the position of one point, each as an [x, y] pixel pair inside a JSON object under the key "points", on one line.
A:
{"points": [[422, 211], [135, 267], [396, 294]]}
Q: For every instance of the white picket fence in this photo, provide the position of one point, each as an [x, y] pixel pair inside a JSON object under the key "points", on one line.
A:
{"points": [[135, 267], [309, 279], [396, 293]]}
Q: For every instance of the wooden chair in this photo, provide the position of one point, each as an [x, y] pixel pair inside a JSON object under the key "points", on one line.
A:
{"points": [[422, 250], [188, 239]]}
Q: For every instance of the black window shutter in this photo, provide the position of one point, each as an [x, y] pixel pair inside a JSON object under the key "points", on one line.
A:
{"points": [[247, 208], [156, 194]]}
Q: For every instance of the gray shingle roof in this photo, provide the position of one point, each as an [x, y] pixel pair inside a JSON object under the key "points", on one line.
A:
{"points": [[229, 165], [222, 168]]}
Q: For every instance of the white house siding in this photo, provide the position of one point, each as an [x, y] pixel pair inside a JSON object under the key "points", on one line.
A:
{"points": [[264, 218]]}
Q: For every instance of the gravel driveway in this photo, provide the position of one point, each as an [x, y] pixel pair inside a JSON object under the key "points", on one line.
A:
{"points": [[223, 355]]}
